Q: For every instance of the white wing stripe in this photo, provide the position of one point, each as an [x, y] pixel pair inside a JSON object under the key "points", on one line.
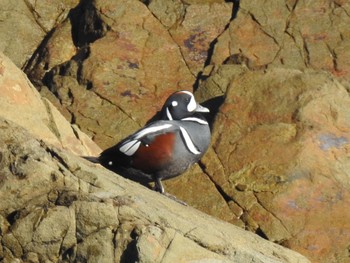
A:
{"points": [[188, 141], [149, 130], [130, 147], [133, 148]]}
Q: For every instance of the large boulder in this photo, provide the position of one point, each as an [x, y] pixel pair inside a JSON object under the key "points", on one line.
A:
{"points": [[273, 140], [57, 207], [280, 157], [109, 57], [118, 57], [22, 104], [291, 34], [24, 25]]}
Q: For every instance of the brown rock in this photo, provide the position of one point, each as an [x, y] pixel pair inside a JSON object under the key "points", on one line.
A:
{"points": [[299, 35], [197, 189], [22, 104], [125, 59], [48, 13], [24, 24], [16, 17], [64, 208], [199, 26], [282, 140], [58, 48]]}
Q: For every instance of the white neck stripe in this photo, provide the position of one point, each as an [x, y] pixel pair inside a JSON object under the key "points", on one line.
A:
{"points": [[200, 121], [168, 114]]}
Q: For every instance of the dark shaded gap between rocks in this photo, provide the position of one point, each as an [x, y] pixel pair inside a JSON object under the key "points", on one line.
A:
{"points": [[87, 26], [130, 254], [261, 233], [200, 77], [213, 105], [226, 197], [34, 60]]}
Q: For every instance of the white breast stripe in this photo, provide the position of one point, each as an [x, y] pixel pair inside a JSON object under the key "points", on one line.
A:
{"points": [[152, 129], [188, 141], [168, 114], [130, 147], [195, 120]]}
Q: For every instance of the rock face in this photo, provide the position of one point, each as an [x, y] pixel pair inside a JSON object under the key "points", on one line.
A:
{"points": [[18, 18], [275, 75], [58, 207], [22, 104], [291, 34], [280, 156]]}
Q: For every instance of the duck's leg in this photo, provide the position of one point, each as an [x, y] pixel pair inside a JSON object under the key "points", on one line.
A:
{"points": [[159, 187]]}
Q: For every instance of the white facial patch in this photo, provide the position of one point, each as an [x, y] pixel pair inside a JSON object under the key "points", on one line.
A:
{"points": [[192, 105], [174, 103]]}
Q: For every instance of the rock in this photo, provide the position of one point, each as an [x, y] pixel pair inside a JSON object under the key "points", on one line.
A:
{"points": [[63, 208], [287, 34], [197, 189], [281, 139], [57, 49], [49, 14], [22, 104], [36, 17], [121, 61], [193, 31]]}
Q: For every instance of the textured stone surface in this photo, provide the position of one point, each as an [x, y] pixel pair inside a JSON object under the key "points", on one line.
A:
{"points": [[292, 34], [278, 164], [16, 17], [21, 103], [60, 207], [195, 28], [123, 58], [282, 141], [24, 24]]}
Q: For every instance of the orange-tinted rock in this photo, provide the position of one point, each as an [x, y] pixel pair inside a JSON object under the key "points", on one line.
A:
{"points": [[282, 138], [22, 104], [299, 34], [130, 62], [200, 26]]}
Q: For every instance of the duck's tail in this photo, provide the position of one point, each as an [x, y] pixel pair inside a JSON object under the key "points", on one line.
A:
{"points": [[92, 159]]}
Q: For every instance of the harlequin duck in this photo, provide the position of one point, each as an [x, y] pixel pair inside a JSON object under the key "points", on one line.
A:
{"points": [[164, 148]]}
